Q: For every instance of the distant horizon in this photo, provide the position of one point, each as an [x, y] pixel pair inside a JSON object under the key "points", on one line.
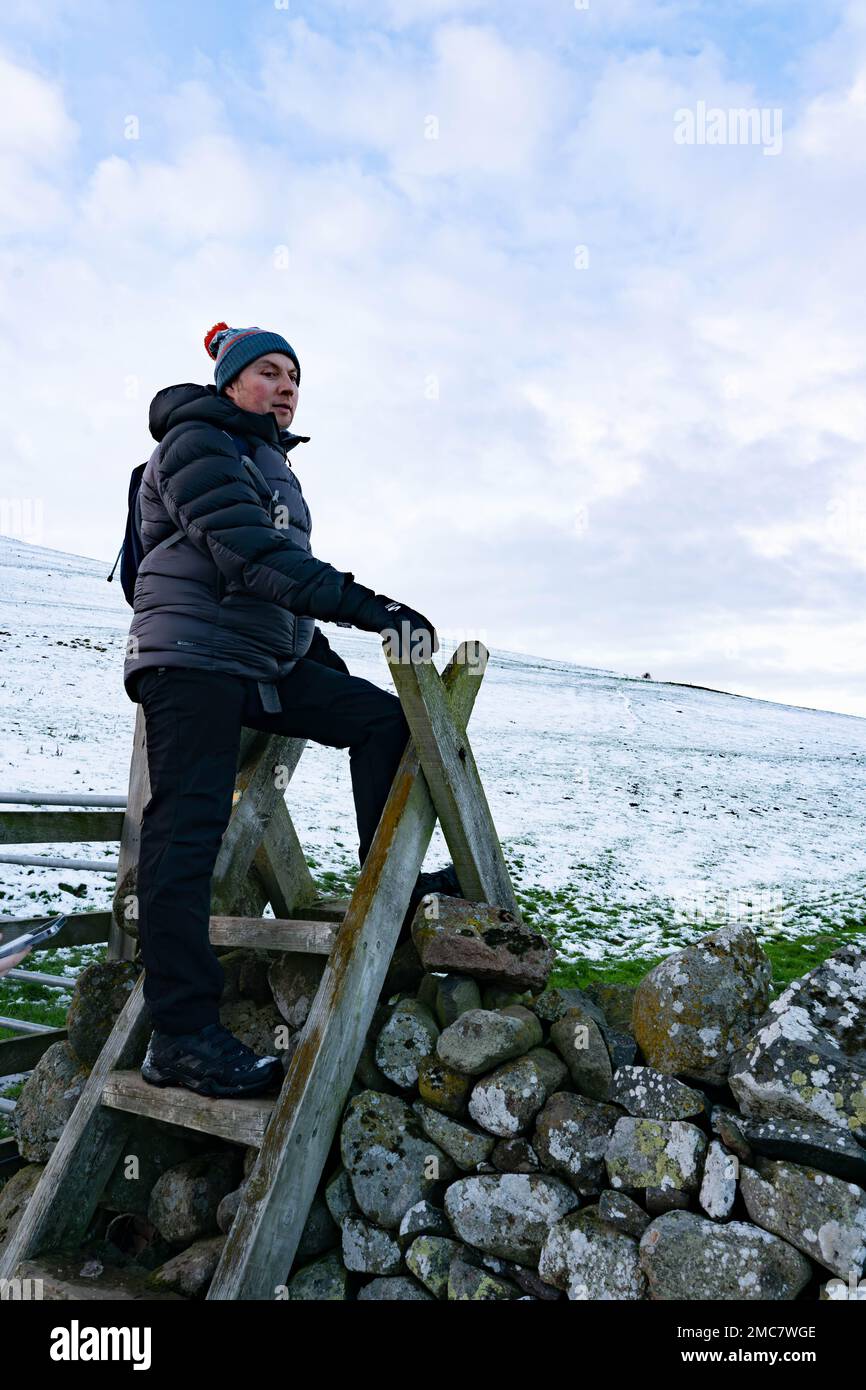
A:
{"points": [[529, 655]]}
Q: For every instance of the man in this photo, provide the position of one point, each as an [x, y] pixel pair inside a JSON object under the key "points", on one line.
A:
{"points": [[223, 636]]}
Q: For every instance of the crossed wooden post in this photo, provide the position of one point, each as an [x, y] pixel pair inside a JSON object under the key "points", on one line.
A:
{"points": [[261, 860]]}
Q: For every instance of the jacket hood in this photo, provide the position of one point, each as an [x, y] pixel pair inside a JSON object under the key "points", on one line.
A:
{"points": [[176, 404]]}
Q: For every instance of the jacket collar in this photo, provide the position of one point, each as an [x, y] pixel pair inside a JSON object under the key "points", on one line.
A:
{"points": [[188, 401]]}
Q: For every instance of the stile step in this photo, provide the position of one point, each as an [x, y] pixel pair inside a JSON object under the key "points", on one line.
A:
{"points": [[241, 1121], [274, 934], [68, 1280]]}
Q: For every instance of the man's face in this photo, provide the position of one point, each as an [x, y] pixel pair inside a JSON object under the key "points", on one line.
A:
{"points": [[268, 384]]}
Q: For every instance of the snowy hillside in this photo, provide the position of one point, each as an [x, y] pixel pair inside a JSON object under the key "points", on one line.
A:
{"points": [[634, 814]]}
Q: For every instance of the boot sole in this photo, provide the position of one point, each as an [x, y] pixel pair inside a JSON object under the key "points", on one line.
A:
{"points": [[205, 1086]]}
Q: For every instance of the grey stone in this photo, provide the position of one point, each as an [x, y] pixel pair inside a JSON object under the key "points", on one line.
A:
{"points": [[367, 1249], [101, 991], [190, 1272], [486, 942], [589, 1259], [719, 1182], [390, 1290], [467, 1147], [580, 1042], [407, 1038], [821, 1215], [649, 1093], [655, 1153], [387, 1156], [508, 1214], [696, 1007], [806, 1057], [184, 1202], [831, 1150], [47, 1099], [429, 1258], [325, 1280], [455, 995], [469, 1284], [622, 1213], [422, 1219], [572, 1135], [505, 1102], [686, 1256], [480, 1039], [515, 1156]]}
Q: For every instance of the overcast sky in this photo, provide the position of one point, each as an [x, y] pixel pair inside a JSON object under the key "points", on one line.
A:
{"points": [[577, 383]]}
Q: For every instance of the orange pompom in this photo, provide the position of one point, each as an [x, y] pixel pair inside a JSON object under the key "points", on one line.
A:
{"points": [[211, 334]]}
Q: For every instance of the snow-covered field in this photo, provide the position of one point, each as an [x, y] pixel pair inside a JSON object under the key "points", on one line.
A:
{"points": [[626, 807]]}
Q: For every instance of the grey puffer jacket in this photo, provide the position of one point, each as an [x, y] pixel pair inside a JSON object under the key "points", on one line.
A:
{"points": [[239, 589]]}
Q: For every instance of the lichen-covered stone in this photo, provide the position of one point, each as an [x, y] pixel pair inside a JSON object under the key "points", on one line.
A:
{"points": [[391, 1161], [719, 1182], [589, 1259], [649, 1093], [184, 1202], [399, 1287], [101, 991], [467, 1147], [581, 1045], [508, 1214], [486, 942], [429, 1258], [455, 995], [655, 1153], [728, 1125], [554, 1003], [622, 1213], [481, 1038], [325, 1280], [572, 1135], [442, 1087], [505, 1102], [698, 1006], [14, 1196], [469, 1284], [48, 1098], [806, 1057], [823, 1216], [616, 1002], [407, 1038], [339, 1197], [320, 1232], [367, 1249], [422, 1219], [190, 1272], [831, 1150], [554, 1072], [686, 1256]]}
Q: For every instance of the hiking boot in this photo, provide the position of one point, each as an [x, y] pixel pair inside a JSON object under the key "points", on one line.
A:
{"points": [[212, 1062], [443, 881]]}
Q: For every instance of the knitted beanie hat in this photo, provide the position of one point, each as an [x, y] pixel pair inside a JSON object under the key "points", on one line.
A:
{"points": [[234, 348]]}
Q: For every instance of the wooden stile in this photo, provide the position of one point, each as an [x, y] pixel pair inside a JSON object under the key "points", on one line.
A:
{"points": [[261, 861]]}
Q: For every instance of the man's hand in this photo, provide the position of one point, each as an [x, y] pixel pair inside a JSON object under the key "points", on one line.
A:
{"points": [[409, 636]]}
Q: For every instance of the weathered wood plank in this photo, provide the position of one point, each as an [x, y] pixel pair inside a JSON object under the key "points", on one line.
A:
{"points": [[62, 1280], [274, 934], [89, 1146], [22, 1054], [258, 790], [265, 1233], [449, 768], [282, 866], [122, 945], [59, 827], [240, 1121]]}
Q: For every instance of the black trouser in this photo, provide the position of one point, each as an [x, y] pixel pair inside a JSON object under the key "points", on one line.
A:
{"points": [[193, 723]]}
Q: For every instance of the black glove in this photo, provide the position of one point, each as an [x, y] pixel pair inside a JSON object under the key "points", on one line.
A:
{"points": [[321, 650], [413, 634]]}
